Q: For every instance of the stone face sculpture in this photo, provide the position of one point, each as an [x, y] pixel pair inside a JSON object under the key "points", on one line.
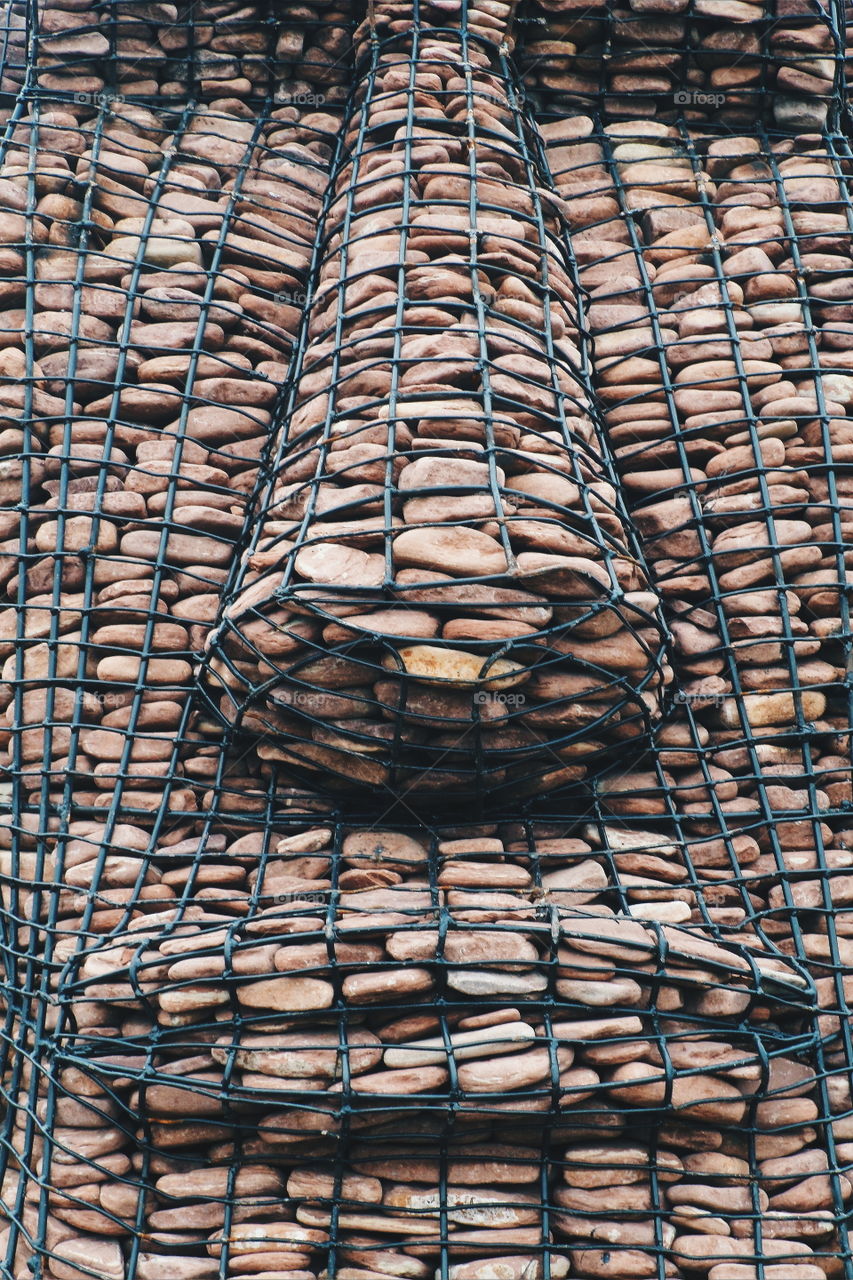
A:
{"points": [[252, 1030]]}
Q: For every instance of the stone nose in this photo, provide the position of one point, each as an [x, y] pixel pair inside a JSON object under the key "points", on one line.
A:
{"points": [[444, 591]]}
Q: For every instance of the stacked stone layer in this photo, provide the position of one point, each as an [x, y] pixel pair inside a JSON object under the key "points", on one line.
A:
{"points": [[154, 274], [239, 1062], [297, 53], [605, 1038], [721, 353], [735, 62]]}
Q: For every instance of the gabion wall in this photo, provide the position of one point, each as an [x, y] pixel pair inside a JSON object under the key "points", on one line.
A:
{"points": [[426, 836]]}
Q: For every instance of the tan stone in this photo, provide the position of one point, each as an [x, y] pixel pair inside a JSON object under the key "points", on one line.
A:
{"points": [[287, 994], [702, 1097], [518, 1071], [486, 1042], [460, 551], [426, 663]]}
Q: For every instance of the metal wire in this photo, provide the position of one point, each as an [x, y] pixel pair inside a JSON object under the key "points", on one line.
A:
{"points": [[212, 977], [169, 54], [735, 64], [173, 1028], [759, 783]]}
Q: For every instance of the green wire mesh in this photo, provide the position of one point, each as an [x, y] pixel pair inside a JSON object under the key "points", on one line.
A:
{"points": [[248, 1031]]}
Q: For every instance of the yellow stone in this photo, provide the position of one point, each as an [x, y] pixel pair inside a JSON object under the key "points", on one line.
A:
{"points": [[428, 662]]}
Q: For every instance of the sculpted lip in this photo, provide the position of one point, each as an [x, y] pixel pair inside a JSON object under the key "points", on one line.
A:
{"points": [[294, 1036]]}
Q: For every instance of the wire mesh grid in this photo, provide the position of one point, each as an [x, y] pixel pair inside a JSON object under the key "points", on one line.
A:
{"points": [[131, 450], [148, 328], [720, 368], [697, 416], [161, 53], [620, 1048], [714, 61], [308, 1007]]}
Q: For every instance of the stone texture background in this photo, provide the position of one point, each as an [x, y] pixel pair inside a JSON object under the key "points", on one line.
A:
{"points": [[250, 1030]]}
